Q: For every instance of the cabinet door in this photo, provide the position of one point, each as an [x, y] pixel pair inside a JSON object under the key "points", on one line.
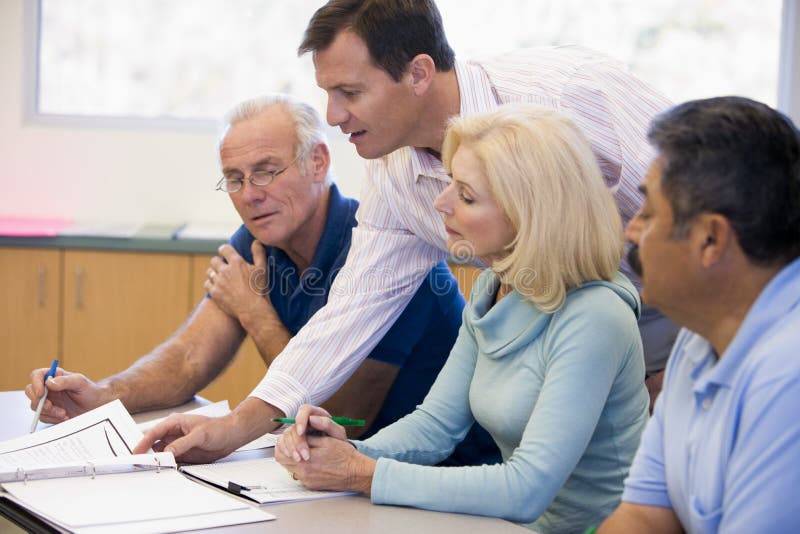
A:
{"points": [[465, 274], [247, 368], [30, 286], [119, 305]]}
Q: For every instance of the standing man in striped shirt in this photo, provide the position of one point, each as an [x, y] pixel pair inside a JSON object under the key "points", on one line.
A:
{"points": [[393, 83]]}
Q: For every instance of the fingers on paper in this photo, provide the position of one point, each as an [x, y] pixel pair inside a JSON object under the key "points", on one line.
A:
{"points": [[164, 434]]}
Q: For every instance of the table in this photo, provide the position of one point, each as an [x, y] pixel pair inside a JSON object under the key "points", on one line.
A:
{"points": [[341, 515]]}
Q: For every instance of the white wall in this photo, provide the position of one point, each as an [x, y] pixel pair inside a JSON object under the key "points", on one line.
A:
{"points": [[789, 79], [130, 174], [111, 174]]}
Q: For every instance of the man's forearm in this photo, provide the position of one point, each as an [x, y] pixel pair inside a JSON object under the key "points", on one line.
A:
{"points": [[635, 518], [160, 379]]}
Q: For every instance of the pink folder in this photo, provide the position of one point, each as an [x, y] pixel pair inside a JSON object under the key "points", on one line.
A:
{"points": [[32, 226]]}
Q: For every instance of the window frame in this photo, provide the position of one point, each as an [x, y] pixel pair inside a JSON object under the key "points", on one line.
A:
{"points": [[788, 87]]}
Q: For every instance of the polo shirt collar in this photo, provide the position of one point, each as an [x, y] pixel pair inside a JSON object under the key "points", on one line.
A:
{"points": [[778, 298], [475, 96]]}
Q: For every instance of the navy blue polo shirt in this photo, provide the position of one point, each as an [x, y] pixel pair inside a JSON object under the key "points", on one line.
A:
{"points": [[418, 342]]}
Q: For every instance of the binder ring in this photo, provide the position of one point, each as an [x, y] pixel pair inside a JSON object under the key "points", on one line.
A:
{"points": [[158, 464], [24, 475], [90, 465]]}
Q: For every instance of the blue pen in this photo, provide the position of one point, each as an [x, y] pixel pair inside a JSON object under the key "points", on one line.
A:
{"points": [[50, 373]]}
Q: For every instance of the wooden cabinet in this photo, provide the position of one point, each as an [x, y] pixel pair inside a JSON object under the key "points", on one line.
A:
{"points": [[30, 307], [119, 305], [96, 311], [465, 274], [99, 311], [247, 368]]}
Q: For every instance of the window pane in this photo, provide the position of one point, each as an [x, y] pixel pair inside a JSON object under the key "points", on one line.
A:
{"points": [[179, 58], [196, 58]]}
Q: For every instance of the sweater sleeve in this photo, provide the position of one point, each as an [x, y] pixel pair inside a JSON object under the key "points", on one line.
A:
{"points": [[429, 434], [583, 350]]}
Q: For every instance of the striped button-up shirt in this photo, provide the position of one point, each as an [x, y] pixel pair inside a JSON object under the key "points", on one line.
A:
{"points": [[400, 235]]}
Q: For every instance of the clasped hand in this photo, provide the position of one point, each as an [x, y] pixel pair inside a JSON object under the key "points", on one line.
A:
{"points": [[316, 451]]}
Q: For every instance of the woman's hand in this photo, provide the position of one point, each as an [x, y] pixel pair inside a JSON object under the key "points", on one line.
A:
{"points": [[293, 443], [332, 464]]}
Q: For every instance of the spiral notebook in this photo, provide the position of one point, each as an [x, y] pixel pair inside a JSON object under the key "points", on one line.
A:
{"points": [[80, 476], [263, 481]]}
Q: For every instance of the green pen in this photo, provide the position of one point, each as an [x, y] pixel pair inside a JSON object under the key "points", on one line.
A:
{"points": [[344, 421]]}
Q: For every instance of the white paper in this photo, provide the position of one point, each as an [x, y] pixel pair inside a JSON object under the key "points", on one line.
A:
{"points": [[100, 229], [267, 479], [105, 432], [141, 500], [112, 501], [217, 409]]}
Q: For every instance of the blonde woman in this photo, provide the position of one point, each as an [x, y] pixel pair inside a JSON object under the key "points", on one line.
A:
{"points": [[548, 359]]}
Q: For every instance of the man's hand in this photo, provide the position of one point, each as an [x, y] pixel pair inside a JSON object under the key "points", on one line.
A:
{"points": [[70, 394], [237, 287], [192, 438]]}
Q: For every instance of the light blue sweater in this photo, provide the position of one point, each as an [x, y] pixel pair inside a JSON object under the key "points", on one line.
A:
{"points": [[562, 394]]}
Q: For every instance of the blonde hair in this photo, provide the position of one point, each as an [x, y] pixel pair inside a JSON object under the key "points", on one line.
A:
{"points": [[544, 176]]}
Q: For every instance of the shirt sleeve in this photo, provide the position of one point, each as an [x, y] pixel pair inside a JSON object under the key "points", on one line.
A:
{"points": [[582, 364], [614, 109], [646, 483], [383, 270]]}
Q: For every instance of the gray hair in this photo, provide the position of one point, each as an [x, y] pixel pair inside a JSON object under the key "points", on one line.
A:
{"points": [[308, 124]]}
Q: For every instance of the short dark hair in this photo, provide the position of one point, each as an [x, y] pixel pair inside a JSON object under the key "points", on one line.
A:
{"points": [[739, 158], [394, 31]]}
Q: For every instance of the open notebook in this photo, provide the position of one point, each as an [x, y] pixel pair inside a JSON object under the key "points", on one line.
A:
{"points": [[80, 476]]}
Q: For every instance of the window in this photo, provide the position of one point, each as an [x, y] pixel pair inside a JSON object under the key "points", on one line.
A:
{"points": [[193, 59]]}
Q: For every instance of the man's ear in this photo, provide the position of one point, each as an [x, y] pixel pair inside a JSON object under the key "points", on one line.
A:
{"points": [[421, 69], [712, 236], [319, 162]]}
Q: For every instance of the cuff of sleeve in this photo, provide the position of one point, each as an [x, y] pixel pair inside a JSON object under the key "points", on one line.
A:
{"points": [[646, 497], [282, 391], [378, 494]]}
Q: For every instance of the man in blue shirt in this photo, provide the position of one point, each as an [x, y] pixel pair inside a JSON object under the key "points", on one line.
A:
{"points": [[718, 242], [274, 275]]}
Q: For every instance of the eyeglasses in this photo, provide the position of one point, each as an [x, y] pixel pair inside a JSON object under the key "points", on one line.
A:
{"points": [[258, 178]]}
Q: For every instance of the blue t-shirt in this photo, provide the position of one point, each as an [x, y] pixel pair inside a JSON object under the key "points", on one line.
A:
{"points": [[418, 342]]}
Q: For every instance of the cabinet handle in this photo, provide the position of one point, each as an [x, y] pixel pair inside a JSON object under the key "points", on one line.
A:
{"points": [[41, 285], [79, 287]]}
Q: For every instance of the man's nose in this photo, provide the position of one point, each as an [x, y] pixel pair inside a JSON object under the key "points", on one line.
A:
{"points": [[253, 193], [336, 114]]}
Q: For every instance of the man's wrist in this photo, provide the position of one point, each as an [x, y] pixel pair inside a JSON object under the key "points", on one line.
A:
{"points": [[255, 317], [111, 389], [253, 418]]}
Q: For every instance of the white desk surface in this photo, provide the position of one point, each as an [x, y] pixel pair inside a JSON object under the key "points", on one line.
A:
{"points": [[345, 515]]}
